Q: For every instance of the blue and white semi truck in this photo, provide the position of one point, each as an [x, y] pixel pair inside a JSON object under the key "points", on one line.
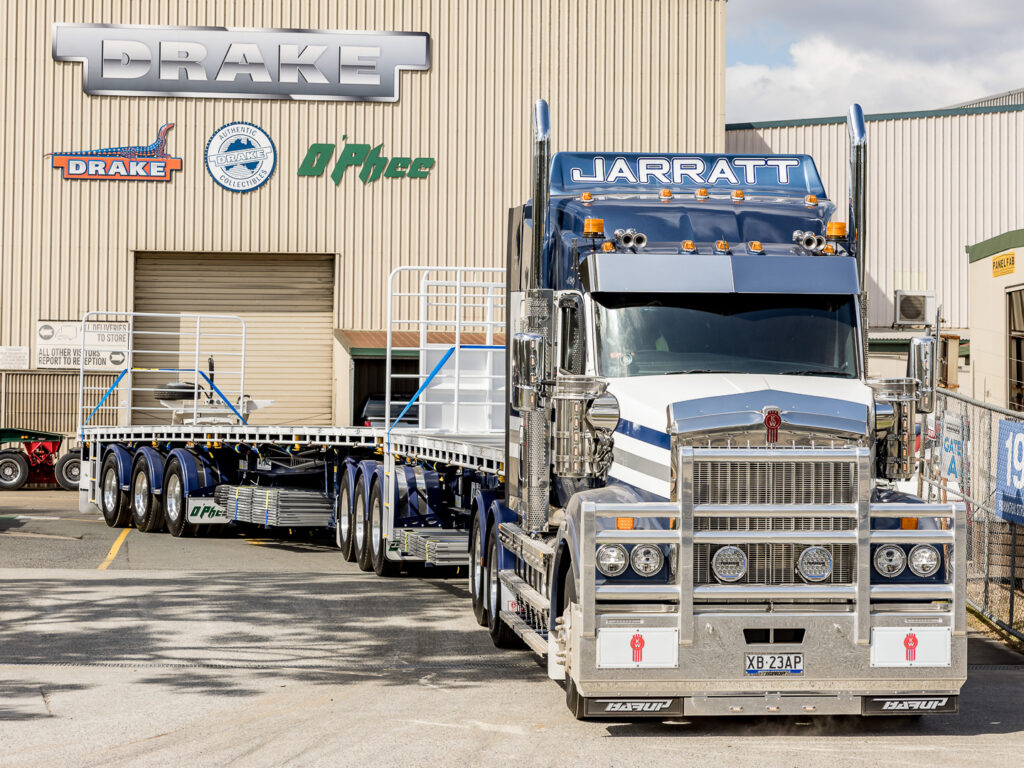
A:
{"points": [[650, 440]]}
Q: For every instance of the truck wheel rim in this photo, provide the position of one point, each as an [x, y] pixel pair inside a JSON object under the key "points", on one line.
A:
{"points": [[492, 572], [110, 490], [344, 523], [73, 470], [173, 498], [141, 492], [8, 470], [375, 525], [360, 523], [476, 573]]}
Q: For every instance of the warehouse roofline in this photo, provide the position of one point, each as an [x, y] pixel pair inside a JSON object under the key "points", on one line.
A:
{"points": [[952, 111]]}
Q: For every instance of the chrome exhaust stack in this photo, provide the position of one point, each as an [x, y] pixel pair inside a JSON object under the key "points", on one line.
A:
{"points": [[624, 237], [541, 173], [857, 224], [639, 240]]}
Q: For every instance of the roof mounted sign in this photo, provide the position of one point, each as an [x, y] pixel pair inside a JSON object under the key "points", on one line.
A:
{"points": [[776, 175], [212, 62]]}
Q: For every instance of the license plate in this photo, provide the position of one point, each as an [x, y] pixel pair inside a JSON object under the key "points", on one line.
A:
{"points": [[770, 664]]}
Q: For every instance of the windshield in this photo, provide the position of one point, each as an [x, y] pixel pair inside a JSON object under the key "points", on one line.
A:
{"points": [[645, 334]]}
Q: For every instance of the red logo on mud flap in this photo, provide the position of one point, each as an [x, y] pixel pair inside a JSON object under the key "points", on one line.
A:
{"points": [[637, 644], [910, 643], [772, 422]]}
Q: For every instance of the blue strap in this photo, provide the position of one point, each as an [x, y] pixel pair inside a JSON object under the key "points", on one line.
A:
{"points": [[104, 399]]}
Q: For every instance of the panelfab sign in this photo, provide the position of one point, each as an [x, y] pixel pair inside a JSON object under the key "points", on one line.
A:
{"points": [[134, 162], [211, 62]]}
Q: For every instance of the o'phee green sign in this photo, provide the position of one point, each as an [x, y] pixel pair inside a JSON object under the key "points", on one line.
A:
{"points": [[373, 164]]}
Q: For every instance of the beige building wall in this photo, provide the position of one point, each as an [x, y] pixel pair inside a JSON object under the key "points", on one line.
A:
{"points": [[936, 182], [630, 75]]}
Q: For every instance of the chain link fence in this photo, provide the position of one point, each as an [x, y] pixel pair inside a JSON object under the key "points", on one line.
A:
{"points": [[961, 445]]}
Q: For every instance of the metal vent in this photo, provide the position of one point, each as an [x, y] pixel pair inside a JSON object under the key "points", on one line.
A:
{"points": [[775, 564], [790, 482]]}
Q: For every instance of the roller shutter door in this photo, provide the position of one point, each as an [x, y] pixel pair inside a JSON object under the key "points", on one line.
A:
{"points": [[287, 303]]}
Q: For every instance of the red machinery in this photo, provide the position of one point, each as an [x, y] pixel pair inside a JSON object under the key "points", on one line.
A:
{"points": [[35, 460]]}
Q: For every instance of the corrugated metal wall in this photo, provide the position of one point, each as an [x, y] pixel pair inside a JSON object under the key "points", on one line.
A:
{"points": [[1009, 98], [620, 75], [48, 401], [936, 184]]}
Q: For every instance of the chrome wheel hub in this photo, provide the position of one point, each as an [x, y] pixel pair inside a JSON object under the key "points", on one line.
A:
{"points": [[110, 490], [173, 498]]}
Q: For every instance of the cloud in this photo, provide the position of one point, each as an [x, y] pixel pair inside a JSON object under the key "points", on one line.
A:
{"points": [[889, 56]]}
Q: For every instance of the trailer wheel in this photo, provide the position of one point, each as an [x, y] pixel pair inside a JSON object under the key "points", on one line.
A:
{"points": [[114, 503], [13, 470], [378, 544], [501, 633], [175, 506], [476, 574], [573, 700], [69, 470], [343, 530], [147, 508], [362, 545]]}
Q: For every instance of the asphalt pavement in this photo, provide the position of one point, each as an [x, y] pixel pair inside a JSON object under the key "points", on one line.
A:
{"points": [[259, 651]]}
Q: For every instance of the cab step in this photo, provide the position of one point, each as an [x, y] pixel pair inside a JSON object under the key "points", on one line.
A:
{"points": [[524, 592], [529, 635]]}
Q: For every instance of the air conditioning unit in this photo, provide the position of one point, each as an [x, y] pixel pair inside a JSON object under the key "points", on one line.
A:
{"points": [[915, 308]]}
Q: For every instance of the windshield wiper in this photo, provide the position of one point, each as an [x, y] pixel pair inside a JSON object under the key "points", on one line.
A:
{"points": [[817, 372], [697, 370]]}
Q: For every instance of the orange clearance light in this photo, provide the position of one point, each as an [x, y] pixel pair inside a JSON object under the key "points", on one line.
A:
{"points": [[908, 523], [836, 230], [721, 246], [665, 195], [689, 246], [624, 523], [737, 195], [755, 246], [811, 201], [607, 245], [701, 194], [593, 227], [829, 248], [586, 197]]}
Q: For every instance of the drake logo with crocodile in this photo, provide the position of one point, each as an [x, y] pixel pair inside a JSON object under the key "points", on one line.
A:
{"points": [[135, 162]]}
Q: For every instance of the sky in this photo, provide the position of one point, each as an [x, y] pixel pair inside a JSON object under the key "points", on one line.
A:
{"points": [[812, 58]]}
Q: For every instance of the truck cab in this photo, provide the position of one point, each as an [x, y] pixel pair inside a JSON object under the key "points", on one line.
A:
{"points": [[693, 439]]}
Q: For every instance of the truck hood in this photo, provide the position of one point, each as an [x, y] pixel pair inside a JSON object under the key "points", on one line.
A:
{"points": [[646, 401]]}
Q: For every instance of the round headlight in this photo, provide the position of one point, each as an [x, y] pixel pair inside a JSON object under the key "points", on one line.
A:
{"points": [[924, 560], [890, 560], [647, 559], [815, 564], [612, 559], [729, 564]]}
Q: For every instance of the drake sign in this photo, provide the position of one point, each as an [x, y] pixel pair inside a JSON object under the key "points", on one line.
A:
{"points": [[211, 62]]}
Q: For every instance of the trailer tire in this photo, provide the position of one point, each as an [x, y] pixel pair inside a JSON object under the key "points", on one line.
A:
{"points": [[147, 507], [476, 574], [114, 504], [69, 470], [344, 533], [501, 633], [361, 542], [14, 470], [176, 503], [377, 542], [573, 700]]}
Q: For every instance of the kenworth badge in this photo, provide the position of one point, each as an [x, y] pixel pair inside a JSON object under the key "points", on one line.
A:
{"points": [[134, 162], [211, 62]]}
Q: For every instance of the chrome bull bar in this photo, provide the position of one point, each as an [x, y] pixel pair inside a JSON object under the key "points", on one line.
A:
{"points": [[681, 534]]}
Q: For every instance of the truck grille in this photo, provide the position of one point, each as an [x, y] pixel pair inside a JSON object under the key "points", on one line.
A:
{"points": [[761, 482], [782, 483]]}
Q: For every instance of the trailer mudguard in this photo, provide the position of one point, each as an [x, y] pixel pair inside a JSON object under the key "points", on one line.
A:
{"points": [[424, 496], [124, 463], [482, 501], [200, 476], [347, 472], [369, 471], [497, 514], [155, 463]]}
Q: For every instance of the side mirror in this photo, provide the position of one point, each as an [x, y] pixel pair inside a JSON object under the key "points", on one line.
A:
{"points": [[921, 365], [528, 352]]}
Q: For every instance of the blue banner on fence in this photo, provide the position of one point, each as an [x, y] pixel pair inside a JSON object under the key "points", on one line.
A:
{"points": [[1010, 472]]}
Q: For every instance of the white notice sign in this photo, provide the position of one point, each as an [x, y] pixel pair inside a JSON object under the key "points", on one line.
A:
{"points": [[59, 345], [13, 358]]}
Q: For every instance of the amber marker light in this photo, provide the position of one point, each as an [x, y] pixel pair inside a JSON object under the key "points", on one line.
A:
{"points": [[738, 196], [721, 246], [701, 194], [755, 246], [607, 245], [586, 197], [908, 523], [624, 523], [811, 201], [836, 230], [593, 227], [665, 195], [689, 246]]}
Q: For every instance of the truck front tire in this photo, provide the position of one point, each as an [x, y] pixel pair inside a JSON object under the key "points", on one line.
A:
{"points": [[501, 633], [114, 503]]}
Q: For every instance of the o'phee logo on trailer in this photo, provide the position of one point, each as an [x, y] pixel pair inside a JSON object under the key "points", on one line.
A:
{"points": [[331, 65]]}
